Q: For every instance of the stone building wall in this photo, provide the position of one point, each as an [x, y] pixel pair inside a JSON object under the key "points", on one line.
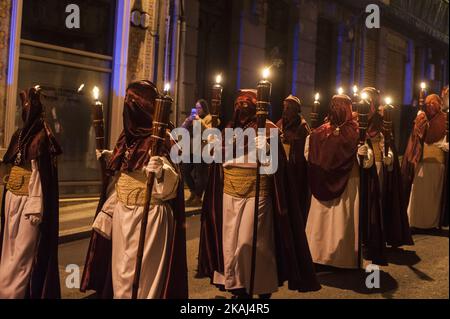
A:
{"points": [[141, 44]]}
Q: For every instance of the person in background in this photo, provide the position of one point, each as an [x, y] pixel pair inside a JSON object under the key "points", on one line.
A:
{"points": [[195, 174], [423, 165]]}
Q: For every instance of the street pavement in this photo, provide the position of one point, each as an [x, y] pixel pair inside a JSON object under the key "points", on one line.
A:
{"points": [[419, 271]]}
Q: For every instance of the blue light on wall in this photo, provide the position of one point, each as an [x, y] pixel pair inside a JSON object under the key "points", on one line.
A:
{"points": [[12, 41], [340, 39], [120, 54], [295, 57]]}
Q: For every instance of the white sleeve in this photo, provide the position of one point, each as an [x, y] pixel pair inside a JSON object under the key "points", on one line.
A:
{"points": [[34, 204], [443, 144], [165, 188], [103, 221], [306, 152]]}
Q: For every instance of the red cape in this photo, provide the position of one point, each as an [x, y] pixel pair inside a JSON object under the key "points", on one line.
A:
{"points": [[294, 262]]}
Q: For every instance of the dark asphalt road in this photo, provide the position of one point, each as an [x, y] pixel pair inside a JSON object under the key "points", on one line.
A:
{"points": [[420, 271]]}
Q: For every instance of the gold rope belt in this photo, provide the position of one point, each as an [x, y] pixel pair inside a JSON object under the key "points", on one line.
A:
{"points": [[19, 180], [131, 189], [433, 154], [287, 149], [241, 182], [377, 150]]}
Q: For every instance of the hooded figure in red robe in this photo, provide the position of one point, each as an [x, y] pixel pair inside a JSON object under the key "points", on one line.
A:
{"points": [[394, 211], [423, 167], [334, 177], [295, 130], [30, 211], [164, 266], [227, 223]]}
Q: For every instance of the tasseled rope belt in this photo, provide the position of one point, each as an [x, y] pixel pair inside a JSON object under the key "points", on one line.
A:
{"points": [[19, 180], [131, 189], [241, 182]]}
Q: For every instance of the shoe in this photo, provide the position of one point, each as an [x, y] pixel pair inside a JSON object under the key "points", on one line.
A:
{"points": [[190, 200]]}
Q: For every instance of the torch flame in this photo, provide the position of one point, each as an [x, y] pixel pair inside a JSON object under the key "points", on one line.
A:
{"points": [[355, 89], [219, 79], [167, 88], [317, 97], [340, 91], [388, 100], [266, 73], [423, 85], [96, 92]]}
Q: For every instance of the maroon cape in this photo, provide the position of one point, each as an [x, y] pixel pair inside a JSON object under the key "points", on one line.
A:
{"points": [[294, 260], [297, 165], [332, 156], [38, 143]]}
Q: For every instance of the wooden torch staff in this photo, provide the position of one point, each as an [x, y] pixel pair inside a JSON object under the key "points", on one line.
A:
{"points": [[216, 101], [363, 116], [262, 111], [315, 123], [422, 96], [161, 118], [99, 128], [387, 125]]}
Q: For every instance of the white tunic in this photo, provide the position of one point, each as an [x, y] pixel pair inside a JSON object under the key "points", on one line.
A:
{"points": [[20, 237], [332, 226], [126, 225], [424, 209], [237, 241]]}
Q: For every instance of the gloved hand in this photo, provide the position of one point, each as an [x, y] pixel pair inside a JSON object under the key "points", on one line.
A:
{"points": [[155, 165], [363, 150], [387, 160], [104, 153]]}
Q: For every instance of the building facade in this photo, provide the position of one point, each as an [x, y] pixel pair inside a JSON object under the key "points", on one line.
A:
{"points": [[313, 46]]}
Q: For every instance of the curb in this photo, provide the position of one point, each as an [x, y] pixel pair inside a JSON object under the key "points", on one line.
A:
{"points": [[85, 232]]}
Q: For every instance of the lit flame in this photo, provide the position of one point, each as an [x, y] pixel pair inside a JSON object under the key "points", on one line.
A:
{"points": [[364, 96], [266, 73], [423, 85], [96, 92], [167, 88], [340, 91], [80, 88], [37, 87], [388, 100], [317, 97], [219, 79], [355, 89]]}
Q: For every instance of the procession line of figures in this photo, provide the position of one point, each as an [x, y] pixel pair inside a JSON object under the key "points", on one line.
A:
{"points": [[308, 210]]}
